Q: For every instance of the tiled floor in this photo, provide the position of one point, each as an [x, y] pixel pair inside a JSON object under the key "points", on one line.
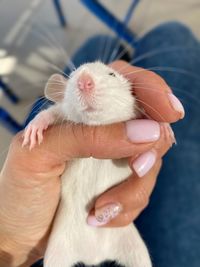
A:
{"points": [[31, 33]]}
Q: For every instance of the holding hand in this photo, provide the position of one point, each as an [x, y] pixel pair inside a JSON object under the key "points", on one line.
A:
{"points": [[30, 181]]}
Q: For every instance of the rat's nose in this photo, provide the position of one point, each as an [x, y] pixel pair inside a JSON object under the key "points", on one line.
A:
{"points": [[85, 82]]}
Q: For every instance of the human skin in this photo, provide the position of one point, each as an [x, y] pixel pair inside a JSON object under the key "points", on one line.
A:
{"points": [[30, 180]]}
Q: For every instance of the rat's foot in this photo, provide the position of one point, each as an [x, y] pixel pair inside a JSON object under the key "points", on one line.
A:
{"points": [[33, 133]]}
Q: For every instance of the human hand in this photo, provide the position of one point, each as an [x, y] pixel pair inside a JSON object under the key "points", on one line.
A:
{"points": [[30, 181], [133, 194]]}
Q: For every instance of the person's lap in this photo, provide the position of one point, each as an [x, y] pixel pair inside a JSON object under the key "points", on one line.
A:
{"points": [[170, 223]]}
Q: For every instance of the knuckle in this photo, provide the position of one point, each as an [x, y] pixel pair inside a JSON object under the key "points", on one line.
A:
{"points": [[152, 75], [142, 197]]}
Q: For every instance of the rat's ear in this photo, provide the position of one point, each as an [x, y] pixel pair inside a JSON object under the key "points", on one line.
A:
{"points": [[55, 87]]}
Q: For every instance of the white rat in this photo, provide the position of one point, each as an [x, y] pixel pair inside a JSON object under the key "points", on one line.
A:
{"points": [[95, 94]]}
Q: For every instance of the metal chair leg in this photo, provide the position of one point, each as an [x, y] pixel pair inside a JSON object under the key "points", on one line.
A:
{"points": [[130, 11], [60, 13], [8, 92], [111, 21], [9, 122]]}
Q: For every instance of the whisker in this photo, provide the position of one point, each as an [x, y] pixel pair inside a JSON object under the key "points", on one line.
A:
{"points": [[167, 69], [127, 49], [42, 83], [175, 89], [133, 44], [106, 44], [159, 51], [38, 107], [108, 49], [115, 51], [101, 52], [142, 111], [162, 118], [44, 33], [108, 57], [32, 103], [53, 66]]}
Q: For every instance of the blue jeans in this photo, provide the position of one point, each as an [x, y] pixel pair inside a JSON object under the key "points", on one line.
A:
{"points": [[170, 224]]}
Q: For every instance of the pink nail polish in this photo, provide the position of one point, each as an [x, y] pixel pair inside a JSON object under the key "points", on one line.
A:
{"points": [[105, 214], [142, 131], [144, 163], [176, 104], [92, 220]]}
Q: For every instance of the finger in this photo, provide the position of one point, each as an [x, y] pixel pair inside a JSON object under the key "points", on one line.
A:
{"points": [[114, 141], [166, 141], [144, 162], [152, 93], [122, 204]]}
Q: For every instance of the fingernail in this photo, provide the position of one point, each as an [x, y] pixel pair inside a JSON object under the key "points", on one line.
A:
{"points": [[171, 134], [139, 131], [144, 163], [92, 221], [176, 104], [105, 214]]}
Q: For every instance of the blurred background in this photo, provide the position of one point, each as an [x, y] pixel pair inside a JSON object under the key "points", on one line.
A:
{"points": [[33, 42]]}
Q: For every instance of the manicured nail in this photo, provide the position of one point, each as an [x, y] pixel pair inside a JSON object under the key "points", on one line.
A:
{"points": [[176, 104], [92, 221], [105, 214], [144, 163], [141, 131]]}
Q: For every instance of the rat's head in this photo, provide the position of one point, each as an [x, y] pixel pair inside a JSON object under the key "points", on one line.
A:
{"points": [[97, 94]]}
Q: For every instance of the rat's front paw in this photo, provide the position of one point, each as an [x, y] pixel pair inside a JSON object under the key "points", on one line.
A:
{"points": [[33, 133]]}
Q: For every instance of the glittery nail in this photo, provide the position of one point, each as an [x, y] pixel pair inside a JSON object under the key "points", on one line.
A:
{"points": [[108, 212]]}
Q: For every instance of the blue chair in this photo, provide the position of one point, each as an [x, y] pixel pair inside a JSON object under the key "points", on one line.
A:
{"points": [[60, 13], [119, 27], [12, 125], [8, 92], [5, 118], [9, 122]]}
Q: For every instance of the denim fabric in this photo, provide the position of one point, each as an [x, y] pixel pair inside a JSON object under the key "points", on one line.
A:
{"points": [[170, 224]]}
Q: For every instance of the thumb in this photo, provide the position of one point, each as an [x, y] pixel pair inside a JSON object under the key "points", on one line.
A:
{"points": [[63, 143]]}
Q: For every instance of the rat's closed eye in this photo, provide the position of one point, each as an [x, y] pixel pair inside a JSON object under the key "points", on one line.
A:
{"points": [[112, 74]]}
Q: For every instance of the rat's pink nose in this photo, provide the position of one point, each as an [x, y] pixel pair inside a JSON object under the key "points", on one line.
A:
{"points": [[85, 82]]}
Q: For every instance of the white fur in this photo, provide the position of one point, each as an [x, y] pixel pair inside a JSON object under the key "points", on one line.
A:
{"points": [[72, 240]]}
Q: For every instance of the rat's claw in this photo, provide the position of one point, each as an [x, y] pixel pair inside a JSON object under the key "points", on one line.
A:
{"points": [[26, 135], [33, 138], [40, 136], [34, 132]]}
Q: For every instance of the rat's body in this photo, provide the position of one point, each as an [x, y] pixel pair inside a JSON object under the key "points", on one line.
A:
{"points": [[94, 95]]}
